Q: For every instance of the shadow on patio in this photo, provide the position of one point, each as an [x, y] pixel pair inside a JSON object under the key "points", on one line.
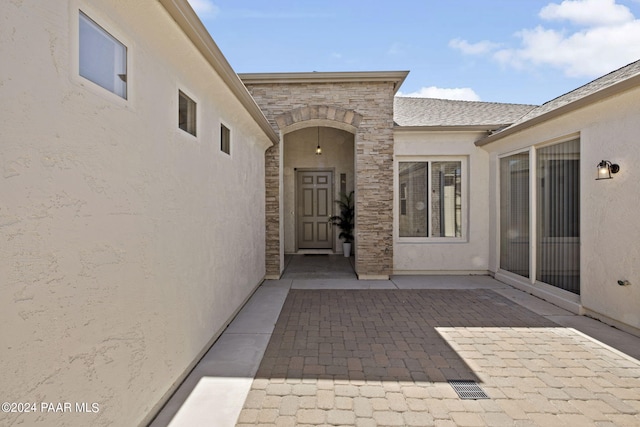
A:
{"points": [[384, 357], [333, 355], [382, 335], [318, 266]]}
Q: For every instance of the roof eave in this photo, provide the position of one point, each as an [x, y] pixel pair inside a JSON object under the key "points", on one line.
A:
{"points": [[397, 77], [600, 95], [186, 18], [442, 128]]}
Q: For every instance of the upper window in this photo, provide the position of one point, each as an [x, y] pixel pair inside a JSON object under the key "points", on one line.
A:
{"points": [[430, 199], [186, 113], [102, 58], [225, 139]]}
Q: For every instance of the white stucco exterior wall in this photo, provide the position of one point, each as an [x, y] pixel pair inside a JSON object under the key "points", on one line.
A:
{"points": [[127, 244], [468, 255], [610, 236]]}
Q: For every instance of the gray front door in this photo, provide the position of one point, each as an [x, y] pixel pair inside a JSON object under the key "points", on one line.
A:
{"points": [[314, 202]]}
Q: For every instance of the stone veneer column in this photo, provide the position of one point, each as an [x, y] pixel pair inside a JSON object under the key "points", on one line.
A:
{"points": [[272, 209], [365, 106], [374, 191]]}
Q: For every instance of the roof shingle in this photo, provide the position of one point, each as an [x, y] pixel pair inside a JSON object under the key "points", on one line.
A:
{"points": [[590, 88], [445, 112]]}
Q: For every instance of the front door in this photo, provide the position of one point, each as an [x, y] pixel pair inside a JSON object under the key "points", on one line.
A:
{"points": [[314, 201]]}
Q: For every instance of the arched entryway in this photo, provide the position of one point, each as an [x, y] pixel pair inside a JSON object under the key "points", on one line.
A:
{"points": [[359, 103], [302, 130], [311, 183]]}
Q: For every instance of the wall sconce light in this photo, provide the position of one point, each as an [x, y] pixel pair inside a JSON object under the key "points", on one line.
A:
{"points": [[318, 149], [606, 168]]}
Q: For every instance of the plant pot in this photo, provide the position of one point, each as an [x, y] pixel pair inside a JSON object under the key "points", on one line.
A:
{"points": [[346, 248]]}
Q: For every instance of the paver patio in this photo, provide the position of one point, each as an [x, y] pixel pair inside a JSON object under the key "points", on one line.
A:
{"points": [[383, 357], [316, 350]]}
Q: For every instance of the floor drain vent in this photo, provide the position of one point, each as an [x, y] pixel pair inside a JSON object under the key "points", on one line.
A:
{"points": [[468, 389]]}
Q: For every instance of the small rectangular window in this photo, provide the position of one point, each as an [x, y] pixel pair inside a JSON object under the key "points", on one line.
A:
{"points": [[430, 199], [186, 113], [102, 58], [225, 139]]}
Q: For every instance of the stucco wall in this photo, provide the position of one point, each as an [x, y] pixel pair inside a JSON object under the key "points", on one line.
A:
{"points": [[446, 255], [609, 231], [127, 244]]}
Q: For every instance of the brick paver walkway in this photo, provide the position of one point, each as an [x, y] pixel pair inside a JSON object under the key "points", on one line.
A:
{"points": [[383, 358]]}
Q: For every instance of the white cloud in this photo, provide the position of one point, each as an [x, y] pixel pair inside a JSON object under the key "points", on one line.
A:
{"points": [[478, 48], [458, 94], [607, 37], [588, 12], [588, 53], [204, 8]]}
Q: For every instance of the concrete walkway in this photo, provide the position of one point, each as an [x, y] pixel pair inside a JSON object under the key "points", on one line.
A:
{"points": [[315, 350]]}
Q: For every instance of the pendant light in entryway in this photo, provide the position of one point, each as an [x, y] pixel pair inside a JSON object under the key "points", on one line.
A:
{"points": [[318, 149]]}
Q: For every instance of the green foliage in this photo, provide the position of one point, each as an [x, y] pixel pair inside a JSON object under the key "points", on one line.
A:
{"points": [[345, 219]]}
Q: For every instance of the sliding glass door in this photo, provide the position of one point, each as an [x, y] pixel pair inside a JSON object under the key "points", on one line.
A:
{"points": [[555, 210], [558, 215], [514, 214]]}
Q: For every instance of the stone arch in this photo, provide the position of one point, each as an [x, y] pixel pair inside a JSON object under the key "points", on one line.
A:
{"points": [[326, 115], [373, 154]]}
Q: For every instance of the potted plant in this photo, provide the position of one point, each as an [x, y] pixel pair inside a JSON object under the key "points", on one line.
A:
{"points": [[345, 221]]}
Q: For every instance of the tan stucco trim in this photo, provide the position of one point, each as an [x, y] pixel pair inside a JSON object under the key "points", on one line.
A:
{"points": [[183, 14], [397, 77], [607, 92]]}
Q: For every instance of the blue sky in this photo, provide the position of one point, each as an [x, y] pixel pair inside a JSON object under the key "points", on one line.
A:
{"points": [[519, 51]]}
